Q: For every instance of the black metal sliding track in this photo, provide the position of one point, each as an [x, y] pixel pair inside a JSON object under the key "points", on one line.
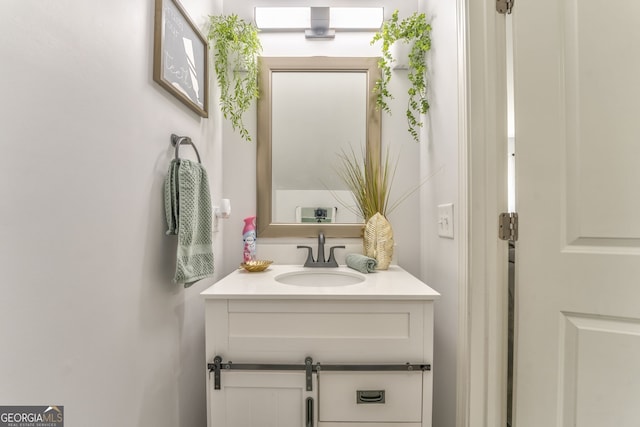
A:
{"points": [[217, 366]]}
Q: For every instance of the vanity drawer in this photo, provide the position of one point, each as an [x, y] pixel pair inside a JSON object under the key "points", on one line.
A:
{"points": [[329, 331], [370, 397]]}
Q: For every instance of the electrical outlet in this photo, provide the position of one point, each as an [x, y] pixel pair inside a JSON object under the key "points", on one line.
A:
{"points": [[445, 220]]}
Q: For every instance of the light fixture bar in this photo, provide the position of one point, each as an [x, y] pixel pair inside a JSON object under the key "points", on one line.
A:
{"points": [[320, 21], [300, 18], [357, 18], [282, 18]]}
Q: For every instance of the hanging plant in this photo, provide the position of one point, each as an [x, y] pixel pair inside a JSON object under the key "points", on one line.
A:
{"points": [[236, 47], [415, 31]]}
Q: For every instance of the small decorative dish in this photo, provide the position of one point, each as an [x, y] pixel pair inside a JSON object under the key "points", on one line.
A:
{"points": [[255, 266]]}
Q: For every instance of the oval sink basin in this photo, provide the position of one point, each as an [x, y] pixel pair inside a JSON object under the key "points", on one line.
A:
{"points": [[319, 278]]}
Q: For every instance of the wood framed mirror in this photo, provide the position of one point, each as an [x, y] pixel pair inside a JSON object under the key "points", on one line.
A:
{"points": [[309, 110]]}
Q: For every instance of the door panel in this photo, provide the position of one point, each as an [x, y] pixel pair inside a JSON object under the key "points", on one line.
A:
{"points": [[602, 127], [595, 391], [578, 170]]}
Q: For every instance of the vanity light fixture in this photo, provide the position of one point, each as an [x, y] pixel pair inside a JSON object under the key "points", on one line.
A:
{"points": [[319, 22]]}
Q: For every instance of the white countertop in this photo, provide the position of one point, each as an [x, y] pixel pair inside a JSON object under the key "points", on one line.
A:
{"points": [[392, 284]]}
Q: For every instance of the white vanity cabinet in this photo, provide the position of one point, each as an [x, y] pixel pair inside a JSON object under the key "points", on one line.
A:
{"points": [[352, 333]]}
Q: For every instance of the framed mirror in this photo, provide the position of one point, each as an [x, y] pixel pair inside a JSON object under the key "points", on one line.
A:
{"points": [[309, 110]]}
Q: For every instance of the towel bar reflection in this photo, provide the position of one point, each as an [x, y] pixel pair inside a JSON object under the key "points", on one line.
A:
{"points": [[176, 141]]}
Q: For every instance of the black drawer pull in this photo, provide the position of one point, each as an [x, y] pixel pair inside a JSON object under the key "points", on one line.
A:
{"points": [[370, 396]]}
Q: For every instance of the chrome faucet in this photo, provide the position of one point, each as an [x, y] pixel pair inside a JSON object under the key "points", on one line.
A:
{"points": [[320, 261]]}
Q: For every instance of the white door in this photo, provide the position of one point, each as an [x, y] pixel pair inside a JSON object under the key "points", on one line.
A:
{"points": [[577, 117]]}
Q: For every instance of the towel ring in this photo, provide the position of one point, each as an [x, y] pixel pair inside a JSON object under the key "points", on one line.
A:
{"points": [[177, 140]]}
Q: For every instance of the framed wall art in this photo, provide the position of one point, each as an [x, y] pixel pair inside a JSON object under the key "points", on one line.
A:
{"points": [[180, 56]]}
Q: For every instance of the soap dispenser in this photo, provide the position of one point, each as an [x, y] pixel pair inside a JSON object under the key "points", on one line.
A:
{"points": [[249, 239]]}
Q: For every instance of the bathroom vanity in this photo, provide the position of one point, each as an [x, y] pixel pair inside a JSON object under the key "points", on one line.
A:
{"points": [[294, 346]]}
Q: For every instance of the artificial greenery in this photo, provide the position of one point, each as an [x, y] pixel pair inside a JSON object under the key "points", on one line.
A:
{"points": [[369, 179], [416, 31], [236, 47], [369, 182]]}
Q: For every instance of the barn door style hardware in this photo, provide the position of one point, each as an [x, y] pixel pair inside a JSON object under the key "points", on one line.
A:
{"points": [[504, 6], [218, 366], [508, 226]]}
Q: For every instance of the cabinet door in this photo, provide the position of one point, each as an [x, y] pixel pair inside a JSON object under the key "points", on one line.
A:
{"points": [[261, 399]]}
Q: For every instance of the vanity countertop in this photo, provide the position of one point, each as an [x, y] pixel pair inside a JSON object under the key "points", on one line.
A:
{"points": [[392, 284]]}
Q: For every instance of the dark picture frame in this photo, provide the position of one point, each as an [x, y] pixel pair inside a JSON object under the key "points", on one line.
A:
{"points": [[180, 62]]}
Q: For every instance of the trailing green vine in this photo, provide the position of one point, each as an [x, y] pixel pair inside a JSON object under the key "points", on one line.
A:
{"points": [[416, 31], [236, 47]]}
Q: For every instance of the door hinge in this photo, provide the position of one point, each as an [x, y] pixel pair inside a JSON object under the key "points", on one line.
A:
{"points": [[504, 6], [508, 226]]}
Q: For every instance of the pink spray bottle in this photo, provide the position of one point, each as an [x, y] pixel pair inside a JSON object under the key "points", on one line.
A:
{"points": [[249, 239]]}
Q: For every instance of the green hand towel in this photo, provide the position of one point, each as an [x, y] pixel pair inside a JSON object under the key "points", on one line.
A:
{"points": [[188, 213], [362, 263]]}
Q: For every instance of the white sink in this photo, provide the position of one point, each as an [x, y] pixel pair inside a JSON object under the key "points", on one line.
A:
{"points": [[327, 278]]}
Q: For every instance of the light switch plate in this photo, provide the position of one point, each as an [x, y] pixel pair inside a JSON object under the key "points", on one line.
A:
{"points": [[445, 220]]}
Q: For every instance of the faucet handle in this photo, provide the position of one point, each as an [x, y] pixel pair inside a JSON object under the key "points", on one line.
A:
{"points": [[332, 261], [309, 260]]}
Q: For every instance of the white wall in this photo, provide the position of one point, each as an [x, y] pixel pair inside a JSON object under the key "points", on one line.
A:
{"points": [[89, 318], [440, 156]]}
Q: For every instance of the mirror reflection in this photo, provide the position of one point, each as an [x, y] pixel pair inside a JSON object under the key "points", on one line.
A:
{"points": [[309, 110], [314, 115]]}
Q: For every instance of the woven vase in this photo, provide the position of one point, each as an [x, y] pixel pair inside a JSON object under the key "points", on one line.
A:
{"points": [[378, 240]]}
